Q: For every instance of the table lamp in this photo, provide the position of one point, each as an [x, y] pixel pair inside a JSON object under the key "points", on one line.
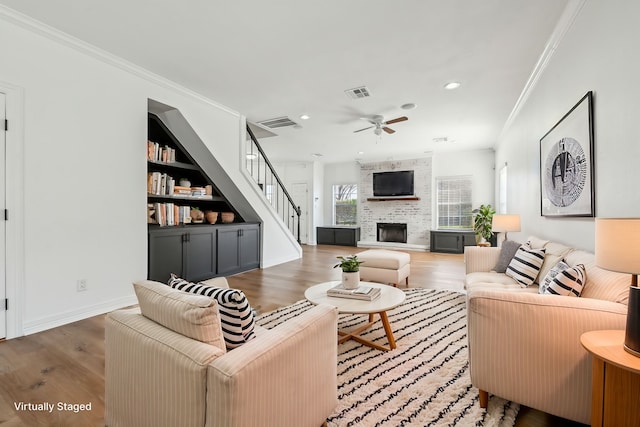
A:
{"points": [[505, 223], [618, 249]]}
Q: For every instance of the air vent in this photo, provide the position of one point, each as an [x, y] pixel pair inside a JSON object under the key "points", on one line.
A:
{"points": [[279, 122], [358, 92]]}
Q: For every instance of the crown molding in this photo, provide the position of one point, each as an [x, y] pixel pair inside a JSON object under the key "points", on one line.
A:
{"points": [[565, 22], [55, 35]]}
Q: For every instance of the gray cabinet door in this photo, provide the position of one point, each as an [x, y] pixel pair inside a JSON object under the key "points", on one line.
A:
{"points": [[249, 247], [238, 248], [166, 254], [446, 242], [201, 254], [228, 252]]}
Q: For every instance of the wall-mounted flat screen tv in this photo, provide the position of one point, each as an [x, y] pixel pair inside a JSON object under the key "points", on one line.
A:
{"points": [[390, 184]]}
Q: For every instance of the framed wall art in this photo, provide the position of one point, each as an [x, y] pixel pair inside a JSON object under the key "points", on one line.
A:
{"points": [[566, 164]]}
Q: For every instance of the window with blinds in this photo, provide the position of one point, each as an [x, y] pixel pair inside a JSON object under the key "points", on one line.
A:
{"points": [[454, 202]]}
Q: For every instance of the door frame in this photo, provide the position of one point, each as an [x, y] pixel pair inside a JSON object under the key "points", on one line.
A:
{"points": [[14, 195]]}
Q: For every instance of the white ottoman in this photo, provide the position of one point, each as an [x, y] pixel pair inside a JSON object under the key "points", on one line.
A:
{"points": [[383, 266]]}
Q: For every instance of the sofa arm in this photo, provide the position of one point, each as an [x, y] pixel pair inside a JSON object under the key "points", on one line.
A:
{"points": [[478, 258], [143, 359], [287, 376], [526, 348]]}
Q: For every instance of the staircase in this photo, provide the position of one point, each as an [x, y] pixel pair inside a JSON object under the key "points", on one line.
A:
{"points": [[273, 189]]}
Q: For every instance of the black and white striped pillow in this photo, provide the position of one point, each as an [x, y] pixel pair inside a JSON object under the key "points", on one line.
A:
{"points": [[525, 265], [236, 315], [548, 279], [568, 282]]}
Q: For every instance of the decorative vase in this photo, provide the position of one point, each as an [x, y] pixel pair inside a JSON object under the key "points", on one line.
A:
{"points": [[197, 216], [184, 182], [211, 217], [227, 217], [350, 279]]}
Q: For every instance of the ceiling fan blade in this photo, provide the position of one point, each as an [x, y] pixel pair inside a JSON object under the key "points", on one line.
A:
{"points": [[388, 130], [399, 119], [360, 130]]}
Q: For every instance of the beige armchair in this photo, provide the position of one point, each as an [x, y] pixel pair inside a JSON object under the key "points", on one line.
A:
{"points": [[155, 376], [525, 347]]}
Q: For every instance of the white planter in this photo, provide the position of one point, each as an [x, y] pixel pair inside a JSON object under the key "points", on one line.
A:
{"points": [[350, 280]]}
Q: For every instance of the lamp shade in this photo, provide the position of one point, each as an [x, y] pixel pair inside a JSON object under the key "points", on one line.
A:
{"points": [[617, 244], [505, 223]]}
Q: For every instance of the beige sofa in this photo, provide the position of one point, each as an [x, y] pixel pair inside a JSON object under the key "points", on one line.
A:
{"points": [[155, 376], [524, 346]]}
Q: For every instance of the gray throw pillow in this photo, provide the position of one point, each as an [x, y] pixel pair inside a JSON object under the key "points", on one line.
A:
{"points": [[507, 252]]}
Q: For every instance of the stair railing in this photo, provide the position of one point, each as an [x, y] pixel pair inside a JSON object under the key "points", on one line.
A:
{"points": [[264, 174]]}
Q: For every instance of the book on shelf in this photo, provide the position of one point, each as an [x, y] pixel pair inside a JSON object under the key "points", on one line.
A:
{"points": [[367, 293], [158, 153]]}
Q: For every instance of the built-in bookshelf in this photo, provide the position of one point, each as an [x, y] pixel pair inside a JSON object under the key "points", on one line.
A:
{"points": [[176, 186], [194, 249]]}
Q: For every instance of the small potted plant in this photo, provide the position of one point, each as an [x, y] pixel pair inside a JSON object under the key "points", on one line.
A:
{"points": [[350, 266], [482, 218]]}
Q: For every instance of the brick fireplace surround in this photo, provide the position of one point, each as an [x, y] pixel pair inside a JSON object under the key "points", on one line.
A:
{"points": [[416, 214]]}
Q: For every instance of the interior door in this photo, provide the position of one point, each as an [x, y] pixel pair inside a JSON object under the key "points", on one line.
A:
{"points": [[3, 224], [299, 196]]}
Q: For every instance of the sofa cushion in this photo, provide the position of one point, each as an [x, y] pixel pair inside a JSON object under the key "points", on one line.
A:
{"points": [[536, 243], [507, 252], [236, 315], [525, 265], [601, 284], [568, 282], [554, 253], [193, 316], [493, 280]]}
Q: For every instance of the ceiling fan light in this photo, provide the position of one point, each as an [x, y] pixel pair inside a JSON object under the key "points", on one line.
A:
{"points": [[409, 106], [305, 117], [377, 131]]}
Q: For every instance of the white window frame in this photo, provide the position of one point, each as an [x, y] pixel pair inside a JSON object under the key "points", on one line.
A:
{"points": [[455, 198], [353, 192]]}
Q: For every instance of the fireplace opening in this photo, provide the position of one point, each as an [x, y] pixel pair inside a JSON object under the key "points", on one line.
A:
{"points": [[392, 232]]}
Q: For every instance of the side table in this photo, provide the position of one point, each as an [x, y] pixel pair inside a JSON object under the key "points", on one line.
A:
{"points": [[615, 400]]}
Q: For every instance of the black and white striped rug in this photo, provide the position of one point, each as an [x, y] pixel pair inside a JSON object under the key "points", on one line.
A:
{"points": [[423, 382]]}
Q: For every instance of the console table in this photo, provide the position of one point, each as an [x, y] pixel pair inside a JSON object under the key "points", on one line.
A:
{"points": [[338, 235]]}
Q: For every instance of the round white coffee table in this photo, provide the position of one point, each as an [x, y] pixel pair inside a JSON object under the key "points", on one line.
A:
{"points": [[389, 299]]}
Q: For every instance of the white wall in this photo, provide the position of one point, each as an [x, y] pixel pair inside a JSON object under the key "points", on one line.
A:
{"points": [[598, 53], [83, 192], [336, 174], [479, 164]]}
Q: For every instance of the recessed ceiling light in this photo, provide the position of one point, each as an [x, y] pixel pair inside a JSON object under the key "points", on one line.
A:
{"points": [[305, 117], [409, 106], [360, 153], [452, 85]]}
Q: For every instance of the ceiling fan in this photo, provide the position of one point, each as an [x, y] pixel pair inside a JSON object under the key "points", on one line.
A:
{"points": [[380, 124]]}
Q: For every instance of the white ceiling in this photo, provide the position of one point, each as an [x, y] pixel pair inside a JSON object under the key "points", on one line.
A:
{"points": [[268, 59]]}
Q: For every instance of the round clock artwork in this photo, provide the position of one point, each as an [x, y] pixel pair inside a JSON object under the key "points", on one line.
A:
{"points": [[565, 172]]}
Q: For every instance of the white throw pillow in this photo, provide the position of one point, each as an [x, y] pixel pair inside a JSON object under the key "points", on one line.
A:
{"points": [[568, 282], [525, 265]]}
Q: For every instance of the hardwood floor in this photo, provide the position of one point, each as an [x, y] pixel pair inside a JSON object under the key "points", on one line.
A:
{"points": [[66, 364]]}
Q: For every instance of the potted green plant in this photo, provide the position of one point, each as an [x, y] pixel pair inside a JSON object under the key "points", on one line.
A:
{"points": [[350, 266], [482, 218]]}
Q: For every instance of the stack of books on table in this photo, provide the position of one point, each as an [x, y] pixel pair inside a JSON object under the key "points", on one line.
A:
{"points": [[367, 293]]}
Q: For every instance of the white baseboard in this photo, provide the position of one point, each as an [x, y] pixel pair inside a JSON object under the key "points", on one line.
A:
{"points": [[49, 322]]}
